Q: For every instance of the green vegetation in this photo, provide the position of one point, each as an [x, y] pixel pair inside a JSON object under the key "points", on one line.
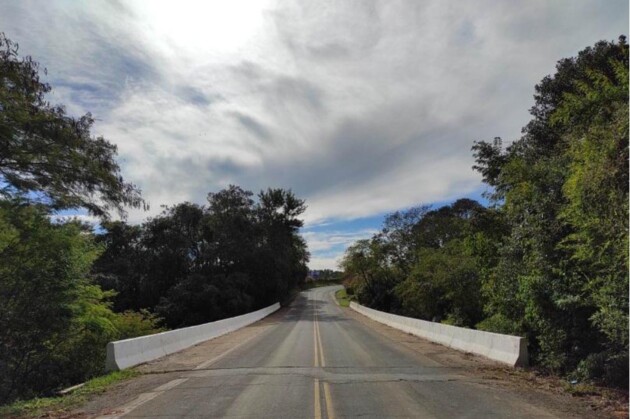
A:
{"points": [[66, 291], [47, 156], [194, 264], [326, 275], [342, 298], [54, 321], [58, 404], [549, 259], [318, 284]]}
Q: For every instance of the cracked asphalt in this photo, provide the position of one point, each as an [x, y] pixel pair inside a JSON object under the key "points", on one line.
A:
{"points": [[317, 360]]}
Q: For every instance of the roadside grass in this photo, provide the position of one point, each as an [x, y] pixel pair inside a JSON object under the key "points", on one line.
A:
{"points": [[342, 298], [48, 406]]}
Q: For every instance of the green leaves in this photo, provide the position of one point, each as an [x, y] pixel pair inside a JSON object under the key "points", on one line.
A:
{"points": [[425, 263], [54, 323], [50, 157], [564, 187], [194, 264], [550, 261]]}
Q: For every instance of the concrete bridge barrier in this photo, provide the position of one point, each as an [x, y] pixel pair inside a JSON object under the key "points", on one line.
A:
{"points": [[126, 353], [511, 350]]}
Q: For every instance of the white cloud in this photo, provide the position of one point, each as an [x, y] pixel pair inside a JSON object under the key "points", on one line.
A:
{"points": [[327, 247], [360, 107], [324, 263], [326, 241]]}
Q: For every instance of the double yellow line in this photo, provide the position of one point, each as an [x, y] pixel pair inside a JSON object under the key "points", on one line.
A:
{"points": [[320, 361]]}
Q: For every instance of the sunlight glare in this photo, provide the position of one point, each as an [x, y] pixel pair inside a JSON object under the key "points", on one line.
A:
{"points": [[204, 26]]}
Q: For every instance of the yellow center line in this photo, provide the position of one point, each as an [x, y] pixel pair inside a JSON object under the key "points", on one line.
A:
{"points": [[329, 409], [319, 344], [321, 360], [316, 395], [316, 348], [318, 405]]}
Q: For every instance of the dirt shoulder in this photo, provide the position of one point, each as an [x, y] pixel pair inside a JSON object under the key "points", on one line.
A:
{"points": [[552, 392]]}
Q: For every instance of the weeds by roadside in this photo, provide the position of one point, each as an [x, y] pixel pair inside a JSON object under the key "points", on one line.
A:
{"points": [[59, 404], [342, 298]]}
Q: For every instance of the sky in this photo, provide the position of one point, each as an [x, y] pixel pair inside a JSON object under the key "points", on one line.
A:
{"points": [[359, 107]]}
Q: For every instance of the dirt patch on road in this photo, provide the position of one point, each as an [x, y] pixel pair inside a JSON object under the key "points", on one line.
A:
{"points": [[566, 400]]}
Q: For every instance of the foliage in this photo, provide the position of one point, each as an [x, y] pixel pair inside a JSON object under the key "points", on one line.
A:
{"points": [[61, 404], [549, 260], [195, 264], [428, 265], [326, 275], [131, 324], [563, 185], [47, 155], [54, 323], [342, 298]]}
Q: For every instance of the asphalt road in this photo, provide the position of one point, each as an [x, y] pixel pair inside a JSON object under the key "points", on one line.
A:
{"points": [[319, 362]]}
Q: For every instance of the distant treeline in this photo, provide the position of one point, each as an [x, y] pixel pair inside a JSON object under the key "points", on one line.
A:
{"points": [[549, 258], [325, 275], [66, 291], [194, 264]]}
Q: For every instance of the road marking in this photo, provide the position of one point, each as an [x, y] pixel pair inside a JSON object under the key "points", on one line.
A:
{"points": [[145, 397], [329, 408], [319, 344], [318, 405], [142, 399], [317, 397], [315, 347], [209, 362], [321, 361]]}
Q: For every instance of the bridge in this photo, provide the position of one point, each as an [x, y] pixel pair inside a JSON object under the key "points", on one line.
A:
{"points": [[315, 359]]}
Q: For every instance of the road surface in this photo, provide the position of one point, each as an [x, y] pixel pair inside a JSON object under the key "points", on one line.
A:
{"points": [[317, 361]]}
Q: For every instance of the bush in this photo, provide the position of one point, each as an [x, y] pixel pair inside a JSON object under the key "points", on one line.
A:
{"points": [[608, 367], [54, 324], [130, 324], [498, 323]]}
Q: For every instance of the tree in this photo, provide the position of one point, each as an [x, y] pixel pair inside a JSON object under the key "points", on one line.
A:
{"points": [[563, 189], [194, 264], [117, 268], [54, 323], [48, 156], [596, 190], [282, 253], [368, 261]]}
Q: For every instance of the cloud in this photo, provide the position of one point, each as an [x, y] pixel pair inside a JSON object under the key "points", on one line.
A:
{"points": [[252, 125], [324, 263], [332, 240], [360, 107], [327, 247]]}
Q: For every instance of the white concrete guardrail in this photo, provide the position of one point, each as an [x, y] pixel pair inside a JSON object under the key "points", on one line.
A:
{"points": [[511, 350], [129, 352]]}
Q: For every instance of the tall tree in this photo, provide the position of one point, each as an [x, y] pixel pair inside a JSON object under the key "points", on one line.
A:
{"points": [[48, 156], [563, 187], [194, 264]]}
